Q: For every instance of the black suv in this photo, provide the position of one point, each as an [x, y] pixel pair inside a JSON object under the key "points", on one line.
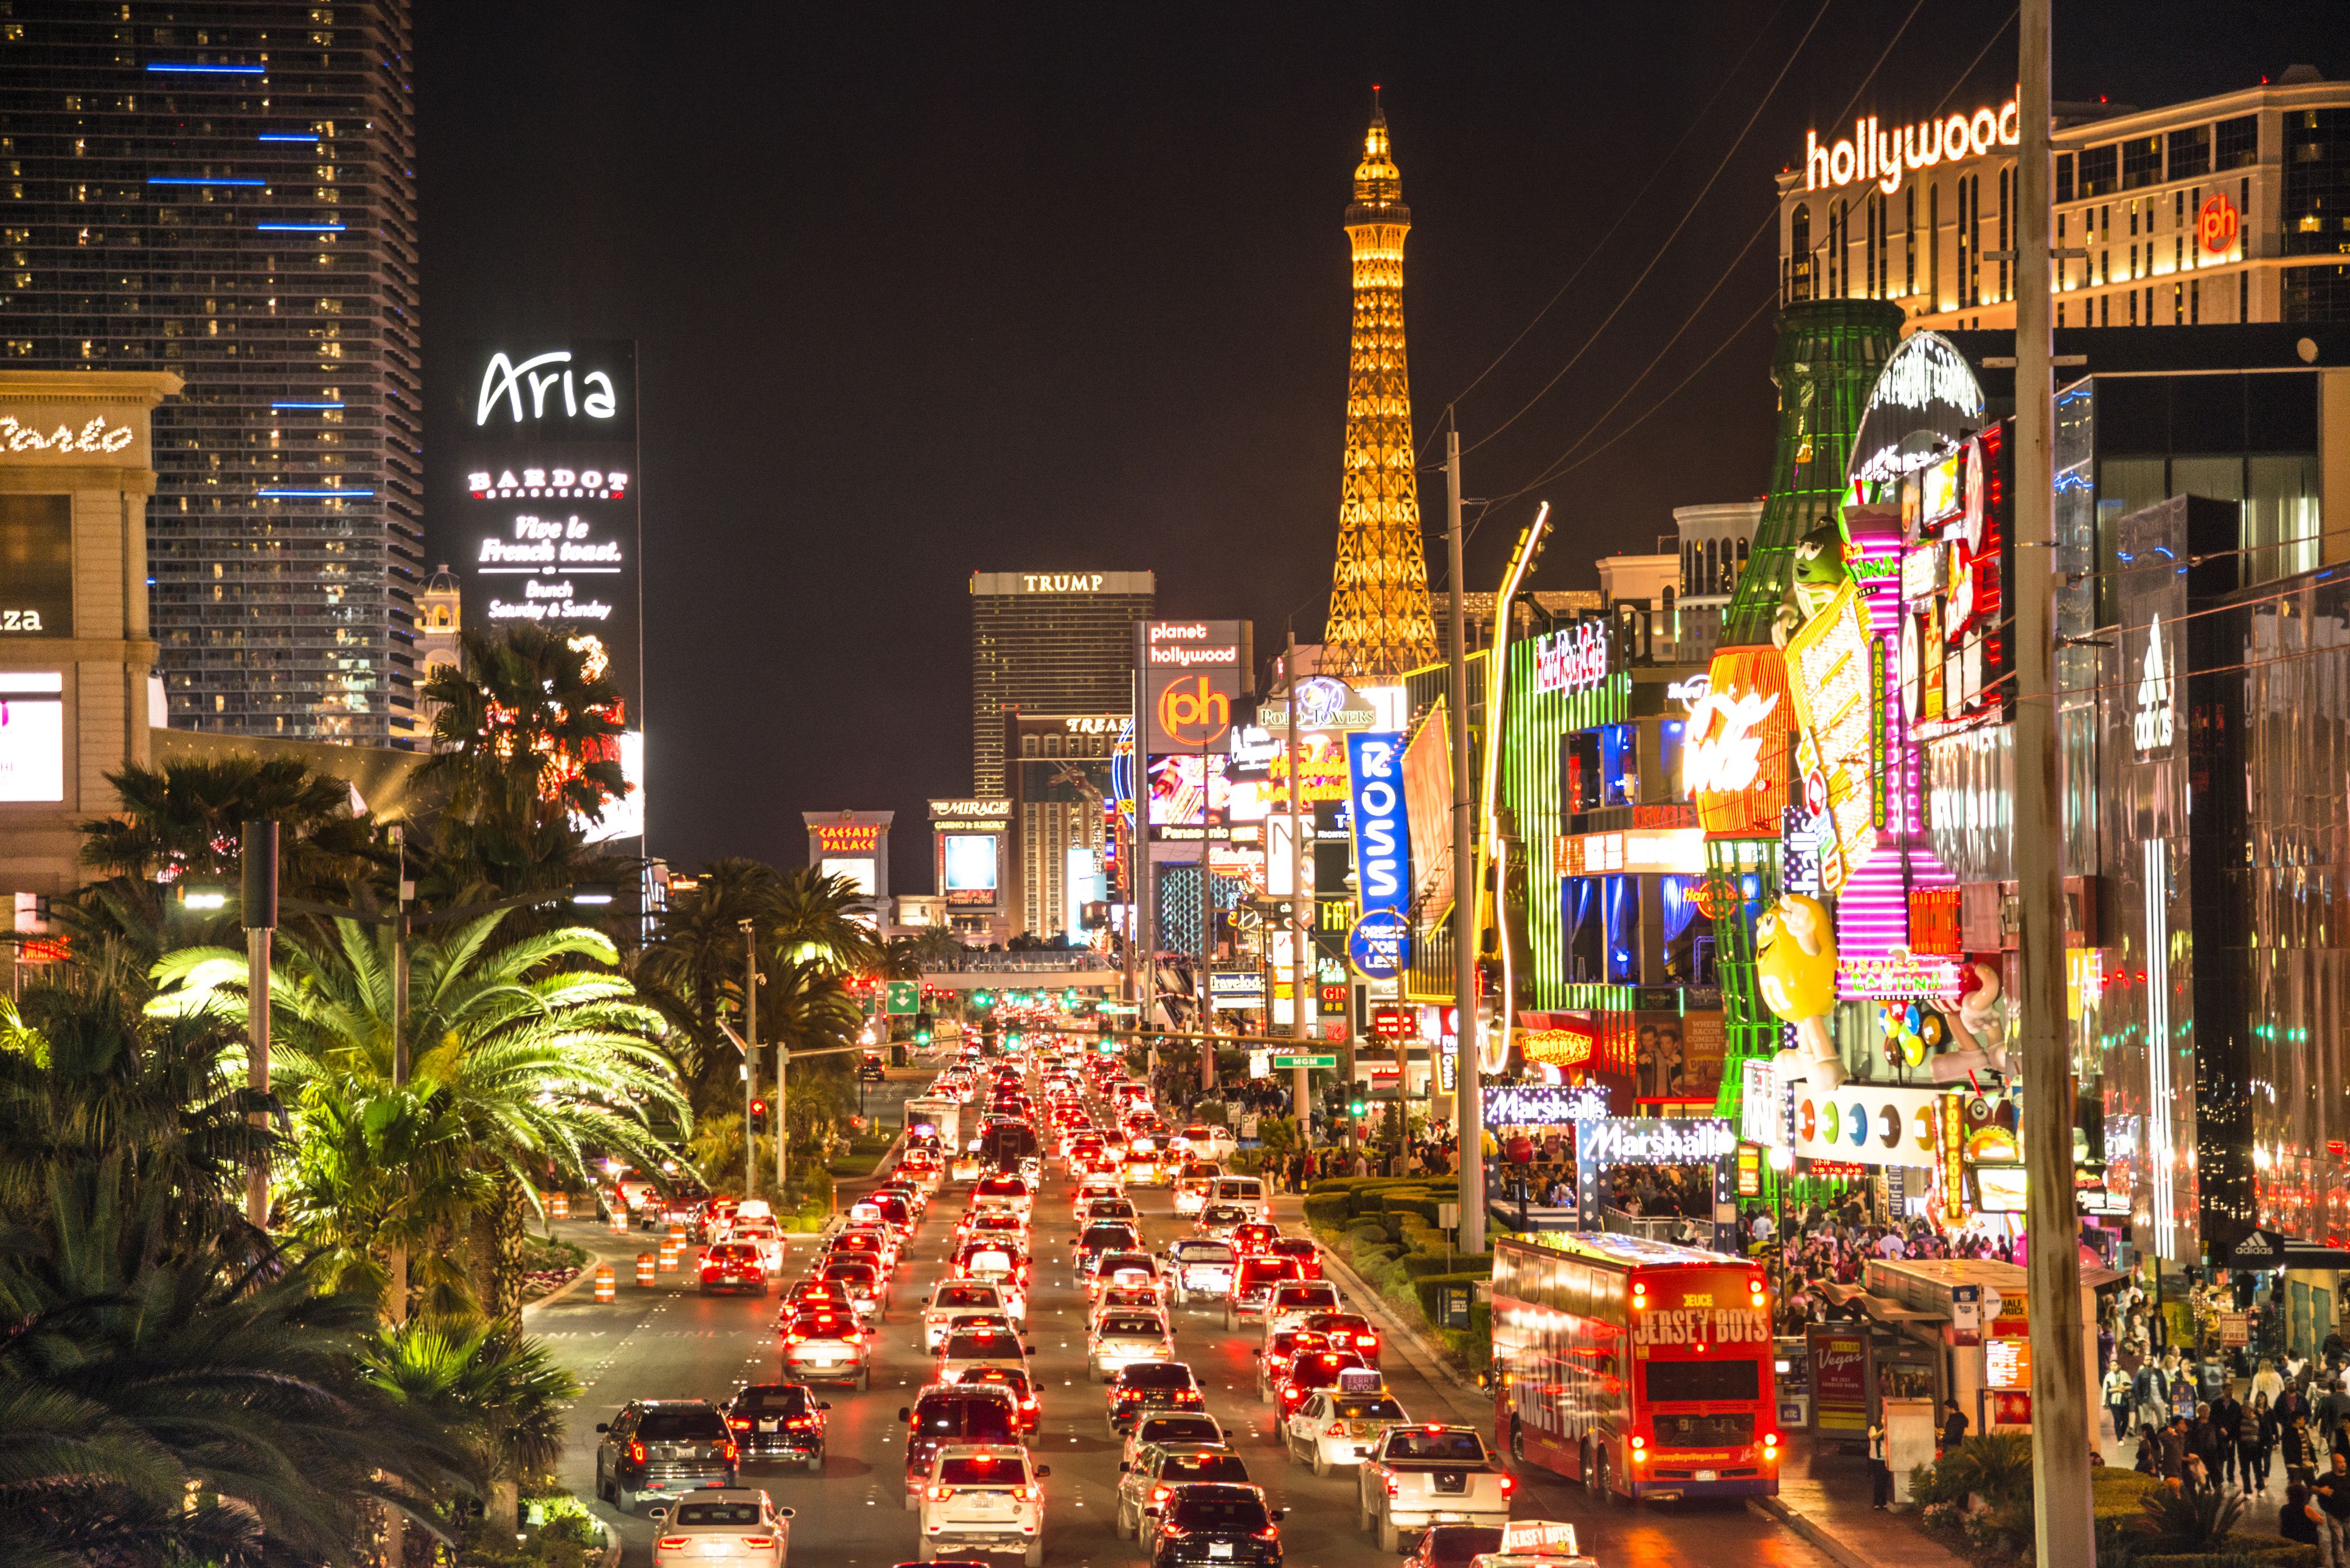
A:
{"points": [[778, 1421], [1216, 1520], [948, 1413], [1148, 1388], [663, 1447]]}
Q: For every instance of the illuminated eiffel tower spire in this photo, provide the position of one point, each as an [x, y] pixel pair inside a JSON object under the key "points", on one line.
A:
{"points": [[1379, 625]]}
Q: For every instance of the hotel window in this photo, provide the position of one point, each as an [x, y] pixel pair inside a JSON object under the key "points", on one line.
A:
{"points": [[1909, 241], [2316, 182], [2141, 162], [2098, 165], [2133, 307], [2195, 302], [2060, 313], [1933, 247], [2005, 174], [1799, 252], [2190, 152], [2236, 144], [2178, 305], [2064, 178]]}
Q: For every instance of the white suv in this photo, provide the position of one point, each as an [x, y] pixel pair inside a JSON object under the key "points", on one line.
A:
{"points": [[984, 1497]]}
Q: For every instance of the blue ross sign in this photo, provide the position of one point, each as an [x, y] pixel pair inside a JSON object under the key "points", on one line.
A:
{"points": [[1382, 831], [1380, 944]]}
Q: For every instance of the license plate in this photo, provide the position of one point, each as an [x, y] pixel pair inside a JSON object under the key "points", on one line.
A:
{"points": [[767, 1425], [1219, 1549], [1709, 1475]]}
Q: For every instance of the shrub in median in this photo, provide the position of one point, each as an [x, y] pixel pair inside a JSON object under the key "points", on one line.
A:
{"points": [[1325, 1209], [1421, 1264]]}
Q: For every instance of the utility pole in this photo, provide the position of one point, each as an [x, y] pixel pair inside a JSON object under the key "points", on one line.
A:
{"points": [[750, 1059], [258, 849], [397, 1284], [1207, 940], [1301, 909], [2064, 1529], [1468, 1100]]}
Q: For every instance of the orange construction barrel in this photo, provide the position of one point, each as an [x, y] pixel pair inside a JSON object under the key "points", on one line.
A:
{"points": [[644, 1268], [669, 1258], [607, 1283], [620, 1213], [560, 1205]]}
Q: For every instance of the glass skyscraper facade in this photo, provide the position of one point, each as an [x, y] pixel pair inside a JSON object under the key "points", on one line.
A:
{"points": [[227, 190], [1049, 642]]}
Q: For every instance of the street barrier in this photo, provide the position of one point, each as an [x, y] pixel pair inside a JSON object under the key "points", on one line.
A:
{"points": [[607, 1284]]}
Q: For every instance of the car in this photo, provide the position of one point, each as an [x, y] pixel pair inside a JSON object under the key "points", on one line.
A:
{"points": [[897, 1212], [1147, 1386], [740, 1527], [1253, 1285], [1183, 1428], [1346, 1331], [1199, 1269], [1331, 1427], [1216, 1221], [950, 1298], [663, 1447], [1015, 1381], [868, 1286], [1204, 1141], [875, 1242], [1254, 1238], [1303, 1249], [1119, 1339], [826, 1346], [944, 1415], [1147, 1167], [1094, 1189], [1295, 1301], [1116, 1267], [1144, 1298], [992, 1225], [761, 1233], [1417, 1476], [1093, 1211], [1192, 1185], [1244, 1192], [1104, 1236], [1307, 1371], [1145, 1484], [998, 1263], [1454, 1545], [984, 1496], [1007, 1191], [732, 1266], [810, 1295], [778, 1421], [966, 1349], [1216, 1523]]}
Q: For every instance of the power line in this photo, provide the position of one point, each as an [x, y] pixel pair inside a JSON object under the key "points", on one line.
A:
{"points": [[1687, 214]]}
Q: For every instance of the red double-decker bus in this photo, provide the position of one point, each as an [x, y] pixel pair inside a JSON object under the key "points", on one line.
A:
{"points": [[1641, 1369]]}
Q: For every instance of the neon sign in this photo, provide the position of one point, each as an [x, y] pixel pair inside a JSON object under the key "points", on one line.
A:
{"points": [[1874, 153], [1382, 836], [1574, 659], [94, 436], [591, 483], [1734, 756], [2216, 226], [1833, 693], [2152, 725], [502, 379]]}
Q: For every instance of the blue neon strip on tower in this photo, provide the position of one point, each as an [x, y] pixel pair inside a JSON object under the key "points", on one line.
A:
{"points": [[197, 179], [293, 405], [179, 70], [302, 494], [287, 136], [300, 228]]}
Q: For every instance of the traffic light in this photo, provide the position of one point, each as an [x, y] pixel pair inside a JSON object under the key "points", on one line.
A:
{"points": [[758, 1116], [922, 1026], [1357, 1105], [1101, 1028], [982, 1000]]}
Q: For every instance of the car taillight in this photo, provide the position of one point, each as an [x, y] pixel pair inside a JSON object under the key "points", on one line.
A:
{"points": [[637, 1453], [1159, 1494], [1270, 1532], [1187, 1396], [738, 1423], [940, 1493], [1021, 1493], [760, 1541], [800, 1423], [1509, 1485], [1031, 1405], [1393, 1490], [675, 1542]]}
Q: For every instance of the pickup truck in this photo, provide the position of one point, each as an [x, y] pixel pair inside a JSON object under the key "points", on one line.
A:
{"points": [[1422, 1476]]}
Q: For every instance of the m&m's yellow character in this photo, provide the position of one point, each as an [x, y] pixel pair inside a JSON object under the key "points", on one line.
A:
{"points": [[1795, 966]]}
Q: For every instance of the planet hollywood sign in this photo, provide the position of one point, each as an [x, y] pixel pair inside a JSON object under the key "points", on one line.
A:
{"points": [[1884, 156]]}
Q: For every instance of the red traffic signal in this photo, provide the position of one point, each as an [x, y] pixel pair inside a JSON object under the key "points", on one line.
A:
{"points": [[758, 1115]]}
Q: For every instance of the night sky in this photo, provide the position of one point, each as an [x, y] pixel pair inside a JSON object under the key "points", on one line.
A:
{"points": [[921, 290]]}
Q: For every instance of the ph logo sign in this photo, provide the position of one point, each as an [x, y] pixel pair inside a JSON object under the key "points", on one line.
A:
{"points": [[1191, 713]]}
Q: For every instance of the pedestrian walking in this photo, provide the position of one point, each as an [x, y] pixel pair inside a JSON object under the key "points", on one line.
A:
{"points": [[2120, 1401], [2333, 1492], [1880, 1470], [2254, 1431]]}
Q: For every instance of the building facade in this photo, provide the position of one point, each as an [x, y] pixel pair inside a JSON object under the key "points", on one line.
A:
{"points": [[226, 190], [1059, 767], [1049, 642], [2228, 208]]}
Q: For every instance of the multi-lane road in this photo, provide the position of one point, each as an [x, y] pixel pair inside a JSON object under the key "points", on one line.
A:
{"points": [[669, 1341]]}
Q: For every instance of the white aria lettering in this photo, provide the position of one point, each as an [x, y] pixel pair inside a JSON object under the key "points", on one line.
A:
{"points": [[94, 436], [1726, 758], [502, 380]]}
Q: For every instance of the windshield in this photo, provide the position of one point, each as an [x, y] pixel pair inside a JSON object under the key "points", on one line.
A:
{"points": [[682, 1426], [734, 1252], [983, 1469], [1371, 1410], [967, 1297], [716, 1513], [1219, 1510], [1112, 1262], [1181, 1429], [1132, 1323], [981, 1347], [1668, 1381], [1184, 1470], [849, 1273], [1112, 1235], [980, 1418], [1459, 1543], [1161, 1374], [1305, 1295], [1467, 1447], [786, 1401], [821, 1326], [1203, 1251]]}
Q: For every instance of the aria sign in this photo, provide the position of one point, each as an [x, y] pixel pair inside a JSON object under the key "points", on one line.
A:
{"points": [[1876, 153], [503, 382]]}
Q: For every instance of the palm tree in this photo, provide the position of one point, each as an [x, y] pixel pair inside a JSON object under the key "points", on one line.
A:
{"points": [[503, 1395], [815, 920], [546, 1063], [528, 739]]}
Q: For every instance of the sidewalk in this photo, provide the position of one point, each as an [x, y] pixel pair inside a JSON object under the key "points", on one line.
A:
{"points": [[1823, 1497]]}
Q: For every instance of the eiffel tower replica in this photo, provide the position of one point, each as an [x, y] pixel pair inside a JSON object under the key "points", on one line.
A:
{"points": [[1380, 624]]}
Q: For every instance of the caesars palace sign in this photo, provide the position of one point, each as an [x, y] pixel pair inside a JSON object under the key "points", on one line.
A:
{"points": [[1876, 153]]}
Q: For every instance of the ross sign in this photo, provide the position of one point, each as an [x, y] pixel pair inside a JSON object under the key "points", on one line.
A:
{"points": [[546, 527], [1868, 1123], [1872, 152], [1379, 947], [1382, 834], [2217, 224], [1191, 671], [1733, 758], [1834, 674], [1572, 659], [1281, 1063]]}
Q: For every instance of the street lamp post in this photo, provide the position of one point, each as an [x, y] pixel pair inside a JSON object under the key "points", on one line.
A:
{"points": [[751, 1064], [259, 914]]}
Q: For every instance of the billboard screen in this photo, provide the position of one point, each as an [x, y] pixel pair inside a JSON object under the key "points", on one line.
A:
{"points": [[969, 860], [1192, 672], [31, 735], [545, 528]]}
